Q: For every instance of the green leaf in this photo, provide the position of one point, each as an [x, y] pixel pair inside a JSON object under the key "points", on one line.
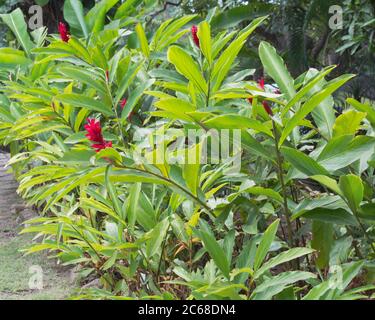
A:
{"points": [[16, 22], [95, 18], [253, 145], [186, 66], [129, 76], [134, 97], [313, 102], [177, 107], [191, 168], [348, 123], [352, 190], [367, 211], [127, 8], [328, 182], [110, 262], [156, 238], [226, 59], [282, 257], [204, 35], [134, 194], [215, 251], [276, 69], [81, 101], [324, 113], [306, 89], [10, 58], [229, 244], [322, 242], [370, 110], [74, 157], [168, 32], [303, 162], [73, 14], [232, 121], [267, 289], [84, 76], [337, 216], [113, 193], [142, 40], [265, 244], [344, 150], [260, 191]]}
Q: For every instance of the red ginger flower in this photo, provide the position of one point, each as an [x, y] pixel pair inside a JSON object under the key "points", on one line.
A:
{"points": [[63, 30], [265, 104], [194, 31], [94, 134], [123, 103], [267, 107], [261, 83]]}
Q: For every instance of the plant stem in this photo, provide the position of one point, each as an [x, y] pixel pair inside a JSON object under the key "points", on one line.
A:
{"points": [[161, 254], [119, 123], [279, 166], [208, 87]]}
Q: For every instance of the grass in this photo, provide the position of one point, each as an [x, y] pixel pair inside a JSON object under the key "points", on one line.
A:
{"points": [[14, 273]]}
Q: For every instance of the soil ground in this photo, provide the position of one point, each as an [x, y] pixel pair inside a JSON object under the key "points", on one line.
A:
{"points": [[16, 269]]}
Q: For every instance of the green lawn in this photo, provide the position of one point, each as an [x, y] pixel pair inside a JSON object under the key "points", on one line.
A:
{"points": [[14, 273]]}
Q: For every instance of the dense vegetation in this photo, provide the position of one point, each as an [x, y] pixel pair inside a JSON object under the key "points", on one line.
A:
{"points": [[82, 112]]}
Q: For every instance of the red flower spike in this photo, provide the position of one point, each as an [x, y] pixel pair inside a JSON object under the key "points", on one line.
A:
{"points": [[123, 103], [63, 30], [265, 104], [107, 75], [94, 134], [267, 107], [194, 31], [261, 83], [99, 146]]}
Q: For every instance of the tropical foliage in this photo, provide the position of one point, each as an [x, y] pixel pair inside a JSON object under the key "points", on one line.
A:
{"points": [[82, 111]]}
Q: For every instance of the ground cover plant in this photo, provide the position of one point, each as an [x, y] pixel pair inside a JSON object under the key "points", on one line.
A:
{"points": [[97, 119]]}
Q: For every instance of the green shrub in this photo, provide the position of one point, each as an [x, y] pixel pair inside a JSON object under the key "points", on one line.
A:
{"points": [[73, 110]]}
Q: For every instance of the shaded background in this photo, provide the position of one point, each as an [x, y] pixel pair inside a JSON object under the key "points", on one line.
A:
{"points": [[299, 29]]}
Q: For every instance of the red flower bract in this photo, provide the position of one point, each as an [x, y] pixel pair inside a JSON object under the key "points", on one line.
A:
{"points": [[267, 107], [194, 31], [101, 146], [261, 83], [94, 134], [63, 30], [123, 103], [265, 104]]}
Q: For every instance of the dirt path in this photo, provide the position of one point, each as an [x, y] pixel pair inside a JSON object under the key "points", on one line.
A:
{"points": [[16, 270]]}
